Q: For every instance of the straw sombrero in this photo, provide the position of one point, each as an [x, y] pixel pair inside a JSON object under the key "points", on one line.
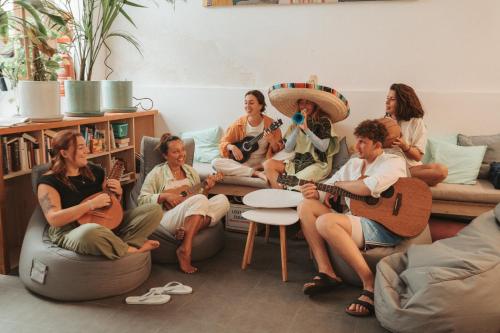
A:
{"points": [[284, 97]]}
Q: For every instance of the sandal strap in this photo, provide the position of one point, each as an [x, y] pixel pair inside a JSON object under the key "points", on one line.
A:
{"points": [[368, 294], [366, 305]]}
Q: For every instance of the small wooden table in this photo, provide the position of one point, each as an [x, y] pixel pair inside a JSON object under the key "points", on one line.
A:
{"points": [[272, 208]]}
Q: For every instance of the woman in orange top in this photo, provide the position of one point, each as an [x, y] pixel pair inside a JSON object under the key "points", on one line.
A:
{"points": [[252, 124]]}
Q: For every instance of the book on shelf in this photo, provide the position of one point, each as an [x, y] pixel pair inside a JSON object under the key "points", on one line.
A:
{"points": [[50, 133], [112, 137], [20, 153], [127, 176], [122, 141]]}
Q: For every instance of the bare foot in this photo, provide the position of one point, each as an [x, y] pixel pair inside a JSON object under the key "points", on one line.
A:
{"points": [[147, 246], [185, 261], [179, 233]]}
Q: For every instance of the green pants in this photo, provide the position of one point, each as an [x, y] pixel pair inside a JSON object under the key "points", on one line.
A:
{"points": [[95, 239]]}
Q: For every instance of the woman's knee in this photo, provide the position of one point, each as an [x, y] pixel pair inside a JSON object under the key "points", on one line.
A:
{"points": [[90, 232], [223, 201], [216, 163], [326, 223], [305, 207]]}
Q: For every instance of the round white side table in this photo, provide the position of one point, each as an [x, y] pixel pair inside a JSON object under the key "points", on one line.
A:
{"points": [[272, 208]]}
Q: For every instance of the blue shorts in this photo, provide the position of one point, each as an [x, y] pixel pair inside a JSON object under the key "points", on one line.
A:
{"points": [[376, 234]]}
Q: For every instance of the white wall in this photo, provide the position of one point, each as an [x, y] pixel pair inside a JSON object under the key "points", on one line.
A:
{"points": [[198, 62]]}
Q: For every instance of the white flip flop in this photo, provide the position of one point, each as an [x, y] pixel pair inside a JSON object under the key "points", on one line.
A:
{"points": [[150, 298], [173, 288]]}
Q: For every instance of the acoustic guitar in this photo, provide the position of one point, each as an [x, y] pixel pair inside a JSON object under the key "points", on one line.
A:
{"points": [[249, 144], [404, 208], [186, 190], [110, 216]]}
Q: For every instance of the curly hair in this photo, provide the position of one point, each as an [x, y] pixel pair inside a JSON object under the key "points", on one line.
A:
{"points": [[165, 139], [371, 129], [408, 104], [64, 140], [260, 98]]}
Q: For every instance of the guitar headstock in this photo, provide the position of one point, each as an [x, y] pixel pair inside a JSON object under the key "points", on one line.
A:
{"points": [[217, 177], [117, 169], [276, 124], [288, 180]]}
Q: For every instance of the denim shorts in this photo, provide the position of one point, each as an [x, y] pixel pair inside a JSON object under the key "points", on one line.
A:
{"points": [[376, 234]]}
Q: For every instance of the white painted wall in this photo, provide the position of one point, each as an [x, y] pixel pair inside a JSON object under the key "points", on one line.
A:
{"points": [[198, 62]]}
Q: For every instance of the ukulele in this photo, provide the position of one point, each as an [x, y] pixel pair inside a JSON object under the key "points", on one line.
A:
{"points": [[404, 208], [110, 216], [249, 144], [186, 190]]}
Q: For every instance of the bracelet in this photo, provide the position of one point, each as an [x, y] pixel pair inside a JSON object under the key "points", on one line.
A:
{"points": [[407, 150], [90, 205]]}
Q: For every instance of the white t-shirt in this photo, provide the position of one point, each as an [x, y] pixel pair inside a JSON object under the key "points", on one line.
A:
{"points": [[381, 173], [258, 156], [414, 132]]}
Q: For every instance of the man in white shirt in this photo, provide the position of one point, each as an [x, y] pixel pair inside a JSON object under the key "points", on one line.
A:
{"points": [[346, 233]]}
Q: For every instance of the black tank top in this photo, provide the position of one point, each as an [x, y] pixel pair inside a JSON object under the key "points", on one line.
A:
{"points": [[84, 186]]}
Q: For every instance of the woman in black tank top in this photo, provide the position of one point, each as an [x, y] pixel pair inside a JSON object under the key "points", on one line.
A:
{"points": [[69, 181]]}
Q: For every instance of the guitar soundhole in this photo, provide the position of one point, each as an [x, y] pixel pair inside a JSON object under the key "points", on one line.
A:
{"points": [[246, 146], [388, 193], [371, 201]]}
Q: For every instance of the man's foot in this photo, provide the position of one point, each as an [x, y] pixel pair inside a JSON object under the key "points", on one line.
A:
{"points": [[185, 261], [179, 233], [363, 306]]}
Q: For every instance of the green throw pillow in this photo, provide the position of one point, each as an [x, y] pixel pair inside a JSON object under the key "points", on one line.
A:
{"points": [[450, 138], [463, 162], [206, 143]]}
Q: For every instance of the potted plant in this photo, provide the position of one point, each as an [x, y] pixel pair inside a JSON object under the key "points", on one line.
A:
{"points": [[31, 60], [92, 29]]}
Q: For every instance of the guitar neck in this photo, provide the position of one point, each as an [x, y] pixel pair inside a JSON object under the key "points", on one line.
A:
{"points": [[256, 139], [335, 190]]}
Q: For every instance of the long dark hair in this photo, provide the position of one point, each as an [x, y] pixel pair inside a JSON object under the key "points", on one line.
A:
{"points": [[165, 139], [260, 98], [64, 140], [408, 103]]}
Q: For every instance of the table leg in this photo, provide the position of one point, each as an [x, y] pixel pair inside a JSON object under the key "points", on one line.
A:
{"points": [[268, 228], [252, 241], [251, 233], [284, 271]]}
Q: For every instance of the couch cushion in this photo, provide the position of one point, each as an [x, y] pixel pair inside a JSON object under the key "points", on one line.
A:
{"points": [[483, 191], [492, 152], [206, 142]]}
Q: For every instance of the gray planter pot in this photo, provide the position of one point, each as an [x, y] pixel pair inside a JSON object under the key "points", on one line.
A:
{"points": [[83, 98], [116, 96]]}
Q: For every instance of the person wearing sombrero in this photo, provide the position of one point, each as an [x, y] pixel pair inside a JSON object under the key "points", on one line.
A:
{"points": [[311, 141]]}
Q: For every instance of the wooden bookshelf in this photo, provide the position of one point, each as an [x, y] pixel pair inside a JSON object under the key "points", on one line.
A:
{"points": [[17, 200]]}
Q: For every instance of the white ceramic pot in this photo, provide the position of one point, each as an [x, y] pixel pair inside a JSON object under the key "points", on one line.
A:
{"points": [[39, 100]]}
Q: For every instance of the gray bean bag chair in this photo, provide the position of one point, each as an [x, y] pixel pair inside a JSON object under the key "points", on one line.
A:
{"points": [[451, 285], [373, 256], [51, 271], [206, 243]]}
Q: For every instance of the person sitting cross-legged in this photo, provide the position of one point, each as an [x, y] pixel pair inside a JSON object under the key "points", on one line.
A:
{"points": [[369, 174]]}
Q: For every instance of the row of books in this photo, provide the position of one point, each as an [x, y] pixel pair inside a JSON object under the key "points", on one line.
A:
{"points": [[117, 142], [94, 138], [20, 153]]}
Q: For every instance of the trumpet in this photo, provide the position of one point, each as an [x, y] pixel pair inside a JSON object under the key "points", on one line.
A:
{"points": [[298, 118]]}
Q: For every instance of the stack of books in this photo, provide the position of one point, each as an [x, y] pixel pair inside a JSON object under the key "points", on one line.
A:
{"points": [[20, 153]]}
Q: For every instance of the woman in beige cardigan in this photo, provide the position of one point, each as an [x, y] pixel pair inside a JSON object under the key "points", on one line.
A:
{"points": [[185, 216]]}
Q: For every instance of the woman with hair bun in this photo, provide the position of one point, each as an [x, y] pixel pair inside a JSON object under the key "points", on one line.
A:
{"points": [[185, 215], [61, 192]]}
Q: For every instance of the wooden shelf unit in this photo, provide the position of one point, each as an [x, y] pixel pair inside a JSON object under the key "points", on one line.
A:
{"points": [[17, 200]]}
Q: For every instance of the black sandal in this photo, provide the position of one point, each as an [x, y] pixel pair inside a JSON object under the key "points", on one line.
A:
{"points": [[321, 283], [368, 306]]}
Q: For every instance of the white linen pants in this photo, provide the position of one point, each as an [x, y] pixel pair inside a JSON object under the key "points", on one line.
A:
{"points": [[230, 167], [215, 207]]}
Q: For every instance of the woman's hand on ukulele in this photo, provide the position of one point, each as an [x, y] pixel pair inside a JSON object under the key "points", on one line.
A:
{"points": [[115, 186], [238, 155], [170, 200], [102, 200], [309, 191]]}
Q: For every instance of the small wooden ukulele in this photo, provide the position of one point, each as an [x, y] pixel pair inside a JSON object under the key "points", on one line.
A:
{"points": [[186, 190], [110, 216]]}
